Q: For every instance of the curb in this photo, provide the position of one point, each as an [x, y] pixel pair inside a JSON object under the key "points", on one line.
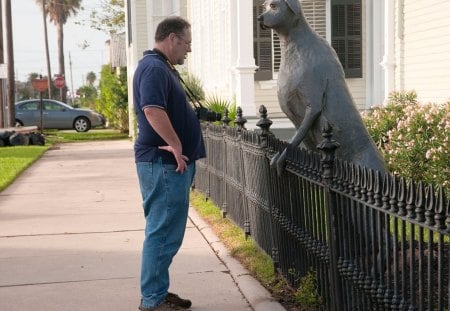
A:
{"points": [[258, 297]]}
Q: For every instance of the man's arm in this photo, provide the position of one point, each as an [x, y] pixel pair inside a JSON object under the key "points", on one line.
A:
{"points": [[159, 120]]}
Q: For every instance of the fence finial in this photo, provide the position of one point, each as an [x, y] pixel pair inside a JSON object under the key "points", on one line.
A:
{"points": [[240, 120], [226, 119], [328, 147], [264, 123]]}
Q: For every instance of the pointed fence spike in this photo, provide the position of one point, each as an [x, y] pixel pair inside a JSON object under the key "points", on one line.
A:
{"points": [[420, 202], [402, 197], [440, 209], [411, 199], [430, 200], [447, 212]]}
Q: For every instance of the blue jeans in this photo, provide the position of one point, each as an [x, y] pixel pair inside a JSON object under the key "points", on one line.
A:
{"points": [[165, 195]]}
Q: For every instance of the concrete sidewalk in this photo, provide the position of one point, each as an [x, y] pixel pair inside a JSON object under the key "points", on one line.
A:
{"points": [[71, 229]]}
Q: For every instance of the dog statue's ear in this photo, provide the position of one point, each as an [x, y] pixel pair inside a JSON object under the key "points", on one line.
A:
{"points": [[294, 5]]}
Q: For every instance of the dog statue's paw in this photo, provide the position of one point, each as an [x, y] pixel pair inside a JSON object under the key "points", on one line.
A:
{"points": [[279, 162], [273, 161]]}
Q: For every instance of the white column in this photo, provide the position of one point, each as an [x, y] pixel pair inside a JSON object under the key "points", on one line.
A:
{"points": [[389, 48], [245, 67], [374, 53], [233, 43], [150, 24]]}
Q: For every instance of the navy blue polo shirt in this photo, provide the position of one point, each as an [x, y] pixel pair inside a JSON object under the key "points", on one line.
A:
{"points": [[156, 85]]}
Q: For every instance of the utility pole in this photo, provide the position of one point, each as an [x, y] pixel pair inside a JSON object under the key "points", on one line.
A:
{"points": [[2, 60], [47, 53], [10, 84], [71, 77]]}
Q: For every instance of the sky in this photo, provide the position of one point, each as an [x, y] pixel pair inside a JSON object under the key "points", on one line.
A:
{"points": [[29, 45]]}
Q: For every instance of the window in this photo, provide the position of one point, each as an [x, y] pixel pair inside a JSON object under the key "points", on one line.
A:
{"points": [[346, 35], [262, 45], [30, 106], [53, 106]]}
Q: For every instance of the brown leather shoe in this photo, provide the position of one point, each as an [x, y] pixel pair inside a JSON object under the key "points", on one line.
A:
{"points": [[178, 301]]}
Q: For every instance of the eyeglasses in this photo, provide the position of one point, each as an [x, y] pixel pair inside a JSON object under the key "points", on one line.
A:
{"points": [[184, 41]]}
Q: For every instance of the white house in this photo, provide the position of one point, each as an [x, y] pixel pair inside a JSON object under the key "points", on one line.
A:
{"points": [[384, 46]]}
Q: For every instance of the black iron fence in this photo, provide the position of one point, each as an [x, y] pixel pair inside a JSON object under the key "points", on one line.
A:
{"points": [[373, 242]]}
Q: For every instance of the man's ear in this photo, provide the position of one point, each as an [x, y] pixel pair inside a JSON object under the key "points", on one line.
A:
{"points": [[294, 5]]}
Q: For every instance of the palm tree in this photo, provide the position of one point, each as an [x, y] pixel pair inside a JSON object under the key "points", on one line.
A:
{"points": [[10, 87], [59, 11], [90, 78], [47, 52], [2, 117]]}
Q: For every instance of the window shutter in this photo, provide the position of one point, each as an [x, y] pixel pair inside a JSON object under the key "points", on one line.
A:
{"points": [[346, 35], [276, 51], [262, 45], [315, 14]]}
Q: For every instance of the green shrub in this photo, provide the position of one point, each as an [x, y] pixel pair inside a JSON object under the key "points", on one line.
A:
{"points": [[194, 87], [307, 294], [113, 99], [413, 137], [217, 104], [194, 84], [88, 96]]}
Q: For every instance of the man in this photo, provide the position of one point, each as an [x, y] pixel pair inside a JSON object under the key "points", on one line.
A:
{"points": [[168, 144]]}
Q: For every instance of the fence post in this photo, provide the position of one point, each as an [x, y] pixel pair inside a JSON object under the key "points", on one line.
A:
{"points": [[264, 124], [225, 124], [208, 161], [240, 121], [328, 147]]}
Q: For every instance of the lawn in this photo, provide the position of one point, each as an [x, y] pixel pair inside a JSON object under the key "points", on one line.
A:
{"points": [[14, 160]]}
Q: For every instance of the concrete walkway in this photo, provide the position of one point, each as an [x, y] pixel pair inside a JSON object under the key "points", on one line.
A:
{"points": [[71, 229]]}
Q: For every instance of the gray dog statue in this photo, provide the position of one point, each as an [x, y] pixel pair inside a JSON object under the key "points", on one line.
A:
{"points": [[312, 90]]}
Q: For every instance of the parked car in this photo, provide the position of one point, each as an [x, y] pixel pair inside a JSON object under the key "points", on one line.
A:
{"points": [[56, 115]]}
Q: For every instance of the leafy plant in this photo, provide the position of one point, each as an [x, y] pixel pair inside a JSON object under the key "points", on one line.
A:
{"points": [[88, 96], [108, 16], [194, 84], [307, 294], [113, 99], [413, 137], [220, 105], [380, 120]]}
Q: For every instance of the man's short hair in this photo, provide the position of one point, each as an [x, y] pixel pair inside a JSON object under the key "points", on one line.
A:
{"points": [[171, 24]]}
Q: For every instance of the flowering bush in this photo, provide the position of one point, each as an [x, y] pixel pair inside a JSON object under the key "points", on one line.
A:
{"points": [[413, 137]]}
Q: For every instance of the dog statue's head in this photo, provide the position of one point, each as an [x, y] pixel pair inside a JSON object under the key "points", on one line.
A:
{"points": [[280, 13]]}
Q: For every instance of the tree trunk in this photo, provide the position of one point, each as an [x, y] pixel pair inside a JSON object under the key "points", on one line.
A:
{"points": [[10, 98], [47, 53], [2, 118], [62, 69]]}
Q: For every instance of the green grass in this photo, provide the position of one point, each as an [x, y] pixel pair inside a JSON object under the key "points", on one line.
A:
{"points": [[255, 260], [14, 160], [73, 136], [245, 250]]}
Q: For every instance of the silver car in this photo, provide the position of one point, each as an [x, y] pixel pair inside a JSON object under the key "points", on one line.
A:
{"points": [[56, 115]]}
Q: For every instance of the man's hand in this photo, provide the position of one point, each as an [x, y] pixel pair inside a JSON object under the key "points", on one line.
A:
{"points": [[180, 158], [160, 122]]}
